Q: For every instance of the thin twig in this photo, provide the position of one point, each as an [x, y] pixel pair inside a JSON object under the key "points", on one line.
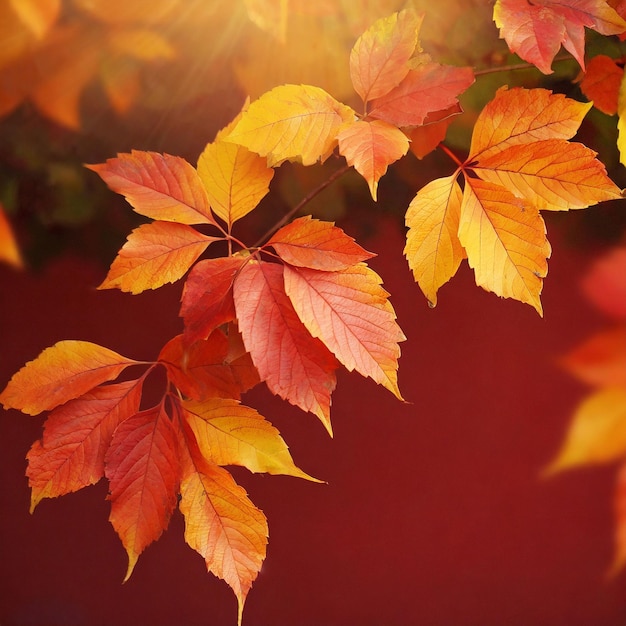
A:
{"points": [[518, 66], [331, 179]]}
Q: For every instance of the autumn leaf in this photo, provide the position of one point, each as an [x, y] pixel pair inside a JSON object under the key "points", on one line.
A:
{"points": [[601, 83], [159, 186], [371, 147], [9, 250], [433, 249], [221, 523], [76, 436], [155, 254], [380, 56], [427, 88], [601, 359], [308, 242], [202, 370], [535, 30], [207, 300], [520, 162], [350, 313], [229, 433], [235, 179], [292, 123], [142, 466], [597, 433], [294, 365], [60, 373], [425, 138]]}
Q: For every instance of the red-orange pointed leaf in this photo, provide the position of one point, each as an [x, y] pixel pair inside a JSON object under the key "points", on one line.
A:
{"points": [[380, 56], [351, 314], [159, 186], [535, 30], [207, 300], [424, 139], [76, 436], [429, 87], [9, 250], [294, 365], [201, 370], [308, 242], [601, 83], [229, 433], [155, 254], [370, 147], [60, 373], [221, 523], [142, 466]]}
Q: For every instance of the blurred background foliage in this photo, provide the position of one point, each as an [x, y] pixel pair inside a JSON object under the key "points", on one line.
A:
{"points": [[81, 80]]}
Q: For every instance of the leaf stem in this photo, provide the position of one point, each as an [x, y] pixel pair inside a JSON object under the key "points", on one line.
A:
{"points": [[451, 155], [331, 179], [519, 66]]}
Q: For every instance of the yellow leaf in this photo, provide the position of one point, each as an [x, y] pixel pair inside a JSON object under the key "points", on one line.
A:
{"points": [[433, 249], [597, 433], [505, 241], [519, 116], [229, 433], [380, 56], [235, 179], [371, 147], [621, 122], [552, 174], [292, 123]]}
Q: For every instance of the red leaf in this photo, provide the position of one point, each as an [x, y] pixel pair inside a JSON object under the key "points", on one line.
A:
{"points": [[428, 88], [424, 139], [307, 242], [349, 311], [207, 300], [60, 373], [221, 523], [76, 437], [293, 364], [159, 186], [601, 83], [201, 370], [155, 254], [142, 466]]}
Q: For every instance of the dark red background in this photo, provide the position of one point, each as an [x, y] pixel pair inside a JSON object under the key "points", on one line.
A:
{"points": [[434, 513]]}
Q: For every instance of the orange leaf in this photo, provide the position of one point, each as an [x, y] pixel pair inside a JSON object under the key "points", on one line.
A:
{"points": [[553, 174], [159, 186], [142, 467], [349, 311], [60, 373], [235, 179], [597, 433], [36, 15], [601, 359], [535, 31], [229, 433], [505, 241], [371, 147], [294, 365], [221, 523], [424, 139], [601, 83], [433, 249], [292, 123], [519, 116], [202, 370], [76, 437], [207, 300], [9, 250], [155, 254], [380, 56], [427, 88], [308, 242]]}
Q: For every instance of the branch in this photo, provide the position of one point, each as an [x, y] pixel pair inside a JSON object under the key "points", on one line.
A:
{"points": [[519, 66]]}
